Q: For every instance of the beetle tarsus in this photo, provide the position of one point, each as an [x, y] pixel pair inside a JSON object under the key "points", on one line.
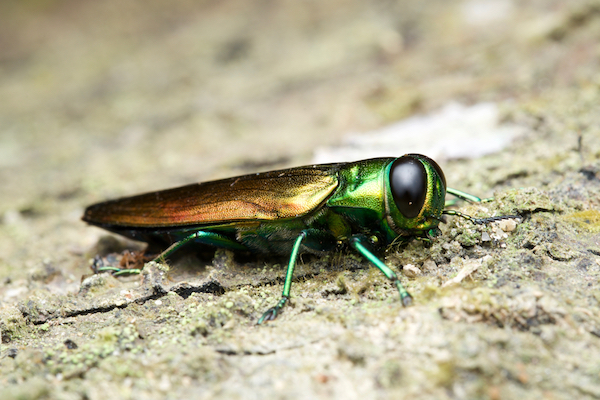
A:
{"points": [[130, 271], [406, 300], [272, 312], [116, 271], [107, 269]]}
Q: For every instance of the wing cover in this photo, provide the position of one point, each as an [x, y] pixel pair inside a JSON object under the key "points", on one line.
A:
{"points": [[270, 195]]}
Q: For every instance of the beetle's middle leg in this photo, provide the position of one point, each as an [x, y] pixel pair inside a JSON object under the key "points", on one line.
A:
{"points": [[313, 239]]}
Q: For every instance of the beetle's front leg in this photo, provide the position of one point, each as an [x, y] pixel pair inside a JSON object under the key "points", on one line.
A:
{"points": [[357, 242]]}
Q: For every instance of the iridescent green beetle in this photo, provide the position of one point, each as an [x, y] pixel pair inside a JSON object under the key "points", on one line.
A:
{"points": [[365, 204]]}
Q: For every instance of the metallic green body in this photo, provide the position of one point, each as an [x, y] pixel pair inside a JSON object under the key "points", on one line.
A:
{"points": [[361, 204]]}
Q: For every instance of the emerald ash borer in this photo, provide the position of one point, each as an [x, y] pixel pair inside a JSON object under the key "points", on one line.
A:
{"points": [[365, 205]]}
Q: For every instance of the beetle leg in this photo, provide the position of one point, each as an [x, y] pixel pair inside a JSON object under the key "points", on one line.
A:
{"points": [[272, 312], [209, 238], [204, 237], [405, 297]]}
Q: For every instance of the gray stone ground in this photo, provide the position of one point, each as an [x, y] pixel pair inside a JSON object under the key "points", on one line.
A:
{"points": [[105, 99]]}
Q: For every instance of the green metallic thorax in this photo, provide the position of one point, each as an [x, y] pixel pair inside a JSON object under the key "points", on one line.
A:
{"points": [[359, 201]]}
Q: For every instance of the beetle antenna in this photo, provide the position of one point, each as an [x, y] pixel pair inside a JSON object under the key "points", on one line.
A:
{"points": [[480, 221]]}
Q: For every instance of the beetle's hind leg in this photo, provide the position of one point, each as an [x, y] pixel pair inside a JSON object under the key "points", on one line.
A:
{"points": [[98, 265], [204, 237]]}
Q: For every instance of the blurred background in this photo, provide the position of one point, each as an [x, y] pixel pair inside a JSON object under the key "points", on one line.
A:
{"points": [[101, 99]]}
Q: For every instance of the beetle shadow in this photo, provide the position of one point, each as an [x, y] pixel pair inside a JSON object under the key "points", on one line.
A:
{"points": [[231, 268]]}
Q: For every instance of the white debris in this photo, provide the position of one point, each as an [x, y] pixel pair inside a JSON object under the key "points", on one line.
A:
{"points": [[455, 131]]}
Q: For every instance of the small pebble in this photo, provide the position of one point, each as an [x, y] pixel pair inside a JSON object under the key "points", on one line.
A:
{"points": [[429, 265], [411, 271], [508, 225]]}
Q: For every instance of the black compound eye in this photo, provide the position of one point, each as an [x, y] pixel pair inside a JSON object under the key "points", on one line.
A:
{"points": [[408, 180], [433, 164]]}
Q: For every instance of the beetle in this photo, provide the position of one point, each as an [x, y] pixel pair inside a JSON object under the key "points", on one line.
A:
{"points": [[365, 204]]}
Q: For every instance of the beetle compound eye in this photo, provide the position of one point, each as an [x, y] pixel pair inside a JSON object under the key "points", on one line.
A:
{"points": [[432, 163], [408, 180]]}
